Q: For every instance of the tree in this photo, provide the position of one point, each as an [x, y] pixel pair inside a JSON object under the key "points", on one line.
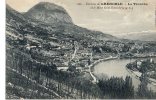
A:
{"points": [[71, 67], [129, 93], [143, 91]]}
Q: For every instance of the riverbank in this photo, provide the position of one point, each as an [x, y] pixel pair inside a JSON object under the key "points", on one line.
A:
{"points": [[138, 75], [94, 77], [91, 66], [137, 56]]}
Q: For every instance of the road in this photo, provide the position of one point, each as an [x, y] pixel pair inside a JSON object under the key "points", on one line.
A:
{"points": [[96, 62]]}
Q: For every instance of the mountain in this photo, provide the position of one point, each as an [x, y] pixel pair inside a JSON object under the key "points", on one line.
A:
{"points": [[14, 18], [13, 14], [142, 36], [49, 13], [48, 18]]}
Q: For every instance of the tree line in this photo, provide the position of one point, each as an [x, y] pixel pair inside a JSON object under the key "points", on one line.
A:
{"points": [[117, 87]]}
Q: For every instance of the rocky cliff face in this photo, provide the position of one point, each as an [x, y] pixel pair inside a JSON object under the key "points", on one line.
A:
{"points": [[49, 13]]}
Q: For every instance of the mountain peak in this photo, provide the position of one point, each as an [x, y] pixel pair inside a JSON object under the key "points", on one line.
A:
{"points": [[48, 6], [49, 13]]}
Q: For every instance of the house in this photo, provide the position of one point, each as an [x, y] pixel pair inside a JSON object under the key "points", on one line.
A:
{"points": [[139, 64]]}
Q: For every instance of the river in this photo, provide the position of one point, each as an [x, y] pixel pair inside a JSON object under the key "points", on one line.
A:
{"points": [[116, 68]]}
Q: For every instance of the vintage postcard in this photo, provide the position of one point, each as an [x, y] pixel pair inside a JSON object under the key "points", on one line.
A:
{"points": [[80, 49]]}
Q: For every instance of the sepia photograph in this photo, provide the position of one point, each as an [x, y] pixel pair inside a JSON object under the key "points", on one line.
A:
{"points": [[80, 49]]}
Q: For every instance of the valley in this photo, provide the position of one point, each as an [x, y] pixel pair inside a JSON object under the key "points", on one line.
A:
{"points": [[48, 56]]}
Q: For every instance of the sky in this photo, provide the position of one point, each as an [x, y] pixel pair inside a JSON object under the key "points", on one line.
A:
{"points": [[115, 22]]}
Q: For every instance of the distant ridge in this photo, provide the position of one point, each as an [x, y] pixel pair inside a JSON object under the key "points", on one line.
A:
{"points": [[142, 36]]}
